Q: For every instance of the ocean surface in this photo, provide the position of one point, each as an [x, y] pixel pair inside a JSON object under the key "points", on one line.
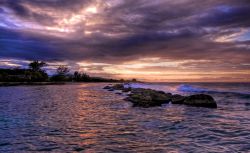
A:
{"points": [[87, 118]]}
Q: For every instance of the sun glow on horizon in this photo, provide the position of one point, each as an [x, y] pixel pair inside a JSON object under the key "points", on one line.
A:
{"points": [[91, 9], [124, 39]]}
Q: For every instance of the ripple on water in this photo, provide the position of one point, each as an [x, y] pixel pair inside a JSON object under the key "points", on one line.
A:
{"points": [[86, 118]]}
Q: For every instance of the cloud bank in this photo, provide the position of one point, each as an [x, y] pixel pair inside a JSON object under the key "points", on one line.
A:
{"points": [[127, 38]]}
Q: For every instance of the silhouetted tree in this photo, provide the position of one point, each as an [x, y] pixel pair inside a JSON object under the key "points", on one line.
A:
{"points": [[61, 75], [36, 66], [62, 70], [83, 77], [77, 76], [36, 73], [134, 80]]}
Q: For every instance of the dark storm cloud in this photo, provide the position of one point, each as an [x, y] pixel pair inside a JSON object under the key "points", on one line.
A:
{"points": [[229, 16], [180, 30], [17, 7], [17, 45], [22, 11]]}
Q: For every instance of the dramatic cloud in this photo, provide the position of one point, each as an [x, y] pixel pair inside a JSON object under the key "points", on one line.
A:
{"points": [[184, 40]]}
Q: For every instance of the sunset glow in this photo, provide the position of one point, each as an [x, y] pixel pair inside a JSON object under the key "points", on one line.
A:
{"points": [[202, 41], [125, 76], [92, 9]]}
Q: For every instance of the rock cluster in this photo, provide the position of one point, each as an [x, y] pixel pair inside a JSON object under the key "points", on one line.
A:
{"points": [[148, 98]]}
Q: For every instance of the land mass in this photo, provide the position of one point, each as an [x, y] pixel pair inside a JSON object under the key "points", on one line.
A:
{"points": [[36, 75]]}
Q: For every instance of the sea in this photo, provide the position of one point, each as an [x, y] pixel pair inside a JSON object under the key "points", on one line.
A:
{"points": [[86, 118]]}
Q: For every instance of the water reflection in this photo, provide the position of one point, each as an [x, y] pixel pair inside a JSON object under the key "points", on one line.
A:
{"points": [[84, 117]]}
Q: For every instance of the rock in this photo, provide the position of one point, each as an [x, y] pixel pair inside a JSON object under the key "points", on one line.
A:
{"points": [[78, 149], [126, 89], [162, 92], [148, 98], [161, 97], [107, 87], [118, 93], [143, 100], [118, 87], [200, 100], [127, 99], [114, 87], [177, 99]]}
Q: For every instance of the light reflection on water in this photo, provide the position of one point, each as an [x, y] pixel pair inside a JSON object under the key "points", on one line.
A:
{"points": [[87, 118]]}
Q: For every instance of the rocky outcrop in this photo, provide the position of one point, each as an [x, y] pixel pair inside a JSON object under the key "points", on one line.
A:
{"points": [[118, 87], [148, 98], [127, 89], [107, 87], [200, 100], [177, 99]]}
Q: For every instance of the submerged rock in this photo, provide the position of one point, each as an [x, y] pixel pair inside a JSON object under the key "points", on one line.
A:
{"points": [[177, 99], [200, 100], [107, 87]]}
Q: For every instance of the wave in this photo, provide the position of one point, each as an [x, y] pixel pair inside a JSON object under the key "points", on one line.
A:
{"points": [[187, 88], [191, 88], [141, 85]]}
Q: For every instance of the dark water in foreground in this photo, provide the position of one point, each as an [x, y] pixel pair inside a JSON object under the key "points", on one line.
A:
{"points": [[86, 118]]}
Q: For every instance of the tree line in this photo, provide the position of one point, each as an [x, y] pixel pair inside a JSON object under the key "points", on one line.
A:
{"points": [[36, 73]]}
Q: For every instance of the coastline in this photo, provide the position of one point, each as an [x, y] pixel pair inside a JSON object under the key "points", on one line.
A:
{"points": [[6, 84]]}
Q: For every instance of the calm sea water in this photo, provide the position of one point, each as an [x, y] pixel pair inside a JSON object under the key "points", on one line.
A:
{"points": [[86, 118]]}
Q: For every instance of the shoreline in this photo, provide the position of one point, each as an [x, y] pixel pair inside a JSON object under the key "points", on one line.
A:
{"points": [[7, 84]]}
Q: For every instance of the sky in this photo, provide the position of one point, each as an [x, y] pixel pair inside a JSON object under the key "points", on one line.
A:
{"points": [[150, 40]]}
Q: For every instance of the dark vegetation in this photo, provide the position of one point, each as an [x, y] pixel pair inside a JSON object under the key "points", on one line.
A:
{"points": [[33, 74], [36, 73]]}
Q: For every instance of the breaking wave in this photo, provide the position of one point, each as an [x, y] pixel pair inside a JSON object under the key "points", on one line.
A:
{"points": [[192, 88]]}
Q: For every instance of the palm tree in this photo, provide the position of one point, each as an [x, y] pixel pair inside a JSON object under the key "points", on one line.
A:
{"points": [[36, 65], [36, 73]]}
